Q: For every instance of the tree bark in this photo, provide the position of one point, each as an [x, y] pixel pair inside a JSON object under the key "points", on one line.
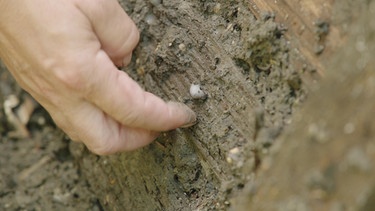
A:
{"points": [[255, 77]]}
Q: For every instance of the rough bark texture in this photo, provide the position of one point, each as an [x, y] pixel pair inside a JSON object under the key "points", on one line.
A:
{"points": [[325, 159], [254, 82]]}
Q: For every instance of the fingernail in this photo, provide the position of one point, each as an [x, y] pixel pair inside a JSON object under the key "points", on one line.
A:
{"points": [[126, 60], [192, 117], [189, 124]]}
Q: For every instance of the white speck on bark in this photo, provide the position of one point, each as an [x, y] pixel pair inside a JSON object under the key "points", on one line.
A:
{"points": [[196, 92]]}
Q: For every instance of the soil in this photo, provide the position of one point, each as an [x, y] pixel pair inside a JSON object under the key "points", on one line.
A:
{"points": [[38, 172], [244, 65]]}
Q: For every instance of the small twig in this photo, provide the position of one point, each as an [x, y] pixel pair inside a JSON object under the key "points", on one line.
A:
{"points": [[28, 171]]}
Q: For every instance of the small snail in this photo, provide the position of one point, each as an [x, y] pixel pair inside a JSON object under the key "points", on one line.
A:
{"points": [[196, 92]]}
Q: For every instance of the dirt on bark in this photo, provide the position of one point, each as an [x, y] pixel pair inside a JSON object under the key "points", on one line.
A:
{"points": [[253, 89]]}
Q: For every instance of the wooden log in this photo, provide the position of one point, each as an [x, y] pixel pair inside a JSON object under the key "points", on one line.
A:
{"points": [[328, 164], [253, 79], [309, 26]]}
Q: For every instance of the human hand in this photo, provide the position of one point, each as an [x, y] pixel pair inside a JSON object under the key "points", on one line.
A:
{"points": [[64, 53]]}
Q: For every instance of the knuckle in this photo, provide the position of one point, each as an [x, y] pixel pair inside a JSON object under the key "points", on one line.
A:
{"points": [[73, 75], [70, 79], [132, 118]]}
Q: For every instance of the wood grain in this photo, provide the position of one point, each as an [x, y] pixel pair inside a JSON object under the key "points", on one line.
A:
{"points": [[302, 19]]}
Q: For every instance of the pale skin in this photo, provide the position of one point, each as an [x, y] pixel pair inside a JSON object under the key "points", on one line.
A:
{"points": [[65, 53]]}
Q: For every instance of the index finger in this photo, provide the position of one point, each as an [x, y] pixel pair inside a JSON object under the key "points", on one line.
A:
{"points": [[124, 100]]}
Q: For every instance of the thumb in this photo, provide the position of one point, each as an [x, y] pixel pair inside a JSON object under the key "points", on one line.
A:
{"points": [[115, 30]]}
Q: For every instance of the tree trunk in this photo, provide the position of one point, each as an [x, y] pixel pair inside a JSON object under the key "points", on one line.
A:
{"points": [[255, 73]]}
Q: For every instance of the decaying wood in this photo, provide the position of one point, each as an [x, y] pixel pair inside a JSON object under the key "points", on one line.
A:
{"points": [[203, 167], [334, 135], [325, 160], [304, 21], [187, 168]]}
